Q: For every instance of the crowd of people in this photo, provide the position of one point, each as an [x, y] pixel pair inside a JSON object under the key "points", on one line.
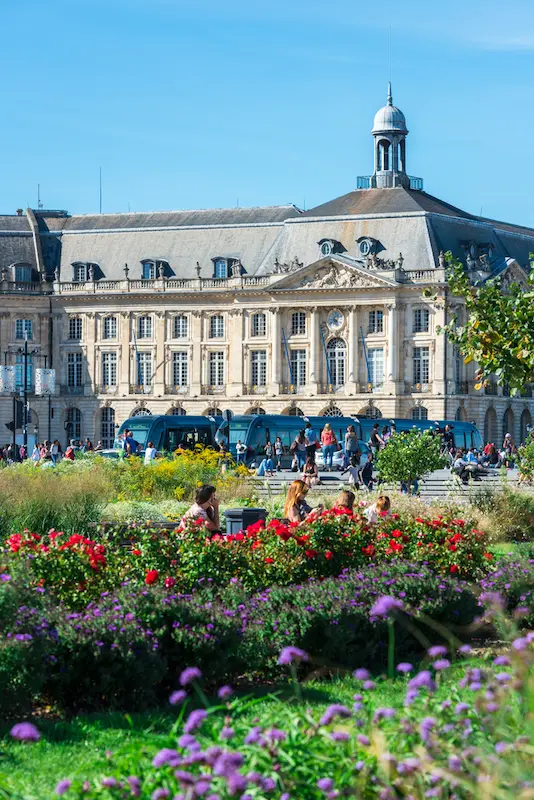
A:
{"points": [[47, 453]]}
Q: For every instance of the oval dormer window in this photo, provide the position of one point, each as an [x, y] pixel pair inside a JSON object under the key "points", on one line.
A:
{"points": [[327, 248]]}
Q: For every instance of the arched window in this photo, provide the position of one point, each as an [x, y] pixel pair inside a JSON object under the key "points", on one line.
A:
{"points": [[107, 427], [177, 411], [384, 151], [336, 354], [258, 325], [490, 426], [526, 424], [255, 411], [141, 412], [293, 411], [213, 411], [508, 423], [331, 411], [74, 423], [370, 412], [419, 412], [461, 414]]}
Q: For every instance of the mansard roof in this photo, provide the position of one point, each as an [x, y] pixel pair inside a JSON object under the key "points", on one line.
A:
{"points": [[16, 241]]}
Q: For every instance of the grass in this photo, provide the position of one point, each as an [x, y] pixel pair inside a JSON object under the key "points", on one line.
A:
{"points": [[96, 745]]}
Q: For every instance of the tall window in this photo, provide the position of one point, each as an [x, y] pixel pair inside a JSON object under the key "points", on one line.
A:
{"points": [[457, 367], [421, 365], [298, 323], [144, 369], [148, 271], [23, 329], [419, 412], [180, 327], [220, 268], [109, 369], [74, 423], [74, 370], [298, 367], [75, 328], [180, 369], [336, 353], [144, 328], [107, 427], [23, 274], [19, 371], [375, 356], [259, 368], [217, 327], [421, 318], [376, 322], [79, 273], [259, 326], [216, 369], [110, 328]]}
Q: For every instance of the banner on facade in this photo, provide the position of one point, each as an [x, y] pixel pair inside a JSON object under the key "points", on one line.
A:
{"points": [[45, 381], [7, 380]]}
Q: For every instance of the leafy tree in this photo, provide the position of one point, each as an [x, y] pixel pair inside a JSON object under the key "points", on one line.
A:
{"points": [[408, 456], [499, 332]]}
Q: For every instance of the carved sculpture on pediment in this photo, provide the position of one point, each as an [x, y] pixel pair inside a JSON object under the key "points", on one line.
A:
{"points": [[281, 268], [373, 262], [333, 278]]}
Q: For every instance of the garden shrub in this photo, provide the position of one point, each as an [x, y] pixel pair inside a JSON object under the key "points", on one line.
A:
{"points": [[507, 515]]}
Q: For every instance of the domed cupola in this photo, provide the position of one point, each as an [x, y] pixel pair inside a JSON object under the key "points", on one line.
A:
{"points": [[390, 131]]}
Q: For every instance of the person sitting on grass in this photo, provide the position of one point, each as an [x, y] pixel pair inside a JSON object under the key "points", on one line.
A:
{"points": [[354, 471], [310, 473], [345, 500], [266, 468], [296, 508], [206, 508], [377, 510]]}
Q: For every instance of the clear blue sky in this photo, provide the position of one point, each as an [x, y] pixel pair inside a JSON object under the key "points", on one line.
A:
{"points": [[198, 103]]}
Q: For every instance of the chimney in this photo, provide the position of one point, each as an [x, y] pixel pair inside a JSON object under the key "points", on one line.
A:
{"points": [[19, 212]]}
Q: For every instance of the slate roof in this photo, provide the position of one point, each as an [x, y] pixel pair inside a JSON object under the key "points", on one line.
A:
{"points": [[16, 241]]}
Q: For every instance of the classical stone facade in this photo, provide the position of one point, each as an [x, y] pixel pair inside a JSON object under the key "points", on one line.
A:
{"points": [[265, 309]]}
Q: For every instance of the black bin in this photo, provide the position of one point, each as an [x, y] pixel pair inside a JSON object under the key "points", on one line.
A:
{"points": [[237, 519]]}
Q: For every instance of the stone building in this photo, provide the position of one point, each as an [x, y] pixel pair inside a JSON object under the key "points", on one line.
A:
{"points": [[269, 309]]}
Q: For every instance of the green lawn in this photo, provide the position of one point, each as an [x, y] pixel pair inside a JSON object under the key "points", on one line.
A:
{"points": [[96, 745]]}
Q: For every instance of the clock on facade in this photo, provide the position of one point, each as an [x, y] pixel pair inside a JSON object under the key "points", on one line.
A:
{"points": [[335, 320]]}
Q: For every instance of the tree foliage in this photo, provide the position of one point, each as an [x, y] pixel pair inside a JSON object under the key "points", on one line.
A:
{"points": [[409, 455], [499, 331]]}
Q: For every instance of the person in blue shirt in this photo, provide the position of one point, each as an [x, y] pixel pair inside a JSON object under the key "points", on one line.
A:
{"points": [[130, 445], [311, 441]]}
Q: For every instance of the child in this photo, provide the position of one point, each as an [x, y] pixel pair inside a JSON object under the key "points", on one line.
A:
{"points": [[354, 471], [378, 510]]}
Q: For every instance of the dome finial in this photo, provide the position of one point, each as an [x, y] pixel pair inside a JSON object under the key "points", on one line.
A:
{"points": [[390, 96]]}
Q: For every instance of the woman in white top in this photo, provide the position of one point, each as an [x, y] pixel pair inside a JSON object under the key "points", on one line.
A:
{"points": [[206, 508], [378, 510], [150, 453]]}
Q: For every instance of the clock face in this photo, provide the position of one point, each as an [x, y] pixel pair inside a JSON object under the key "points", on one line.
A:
{"points": [[335, 319]]}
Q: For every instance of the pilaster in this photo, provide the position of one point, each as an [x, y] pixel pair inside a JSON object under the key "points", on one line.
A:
{"points": [[236, 354], [352, 351], [124, 356], [276, 348], [197, 366], [159, 366], [314, 376]]}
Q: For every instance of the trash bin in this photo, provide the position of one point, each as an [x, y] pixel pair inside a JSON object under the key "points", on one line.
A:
{"points": [[237, 519]]}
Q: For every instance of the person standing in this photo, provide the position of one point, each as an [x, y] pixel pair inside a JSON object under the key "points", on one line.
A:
{"points": [[299, 449], [278, 453], [375, 440], [54, 451], [352, 446], [150, 453], [311, 441], [329, 445], [240, 451]]}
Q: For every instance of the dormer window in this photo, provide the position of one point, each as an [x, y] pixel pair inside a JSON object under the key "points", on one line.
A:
{"points": [[22, 273], [152, 268], [148, 271], [367, 246], [83, 271], [329, 246], [220, 268]]}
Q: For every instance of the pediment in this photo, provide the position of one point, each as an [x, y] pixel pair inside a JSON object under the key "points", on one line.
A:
{"points": [[332, 273], [513, 274]]}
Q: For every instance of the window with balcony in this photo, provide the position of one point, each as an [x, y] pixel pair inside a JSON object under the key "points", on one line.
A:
{"points": [[109, 369], [180, 327], [216, 369], [180, 368], [421, 320], [259, 368], [375, 356], [79, 273], [109, 328], [336, 353], [217, 327], [298, 323], [75, 328], [144, 328], [144, 369], [298, 367], [74, 370], [421, 365], [259, 325], [376, 322], [24, 329]]}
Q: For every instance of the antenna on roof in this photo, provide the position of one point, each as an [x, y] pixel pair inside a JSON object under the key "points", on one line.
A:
{"points": [[128, 206], [100, 191], [39, 204]]}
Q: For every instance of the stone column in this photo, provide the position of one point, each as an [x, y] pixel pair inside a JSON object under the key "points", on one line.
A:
{"points": [[392, 361], [159, 378], [124, 357], [236, 354], [276, 352], [196, 352], [437, 353], [90, 354], [314, 372], [352, 351]]}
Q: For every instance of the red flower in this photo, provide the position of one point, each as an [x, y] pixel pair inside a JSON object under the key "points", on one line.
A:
{"points": [[136, 552], [151, 576], [269, 560], [489, 556], [456, 538], [169, 582], [419, 519], [328, 555], [396, 533], [256, 544], [239, 537], [311, 553], [453, 568], [459, 522], [369, 550], [452, 548]]}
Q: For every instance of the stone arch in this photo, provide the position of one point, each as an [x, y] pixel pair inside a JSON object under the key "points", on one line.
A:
{"points": [[331, 411], [461, 414], [212, 411], [419, 412], [255, 411], [370, 411], [141, 411], [525, 424], [490, 426], [508, 422], [293, 411]]}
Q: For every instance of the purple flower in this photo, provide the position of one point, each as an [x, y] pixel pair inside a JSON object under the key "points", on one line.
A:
{"points": [[501, 661], [160, 794], [25, 732], [135, 785], [184, 777], [385, 606], [503, 677], [408, 766], [437, 651], [404, 666], [225, 692], [186, 740], [190, 674], [363, 739], [201, 787], [236, 783], [254, 736], [325, 784], [519, 644], [292, 654], [5, 577], [166, 756], [177, 697], [275, 735], [384, 713], [461, 708], [464, 649], [441, 663], [361, 674], [423, 680], [333, 711], [455, 763], [500, 747], [369, 685], [109, 783], [195, 720], [339, 736], [425, 727], [63, 786], [227, 733]]}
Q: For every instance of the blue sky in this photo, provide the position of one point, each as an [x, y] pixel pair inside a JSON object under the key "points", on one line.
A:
{"points": [[203, 103]]}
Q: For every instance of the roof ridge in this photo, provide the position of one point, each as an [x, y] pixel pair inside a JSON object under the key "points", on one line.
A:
{"points": [[184, 211]]}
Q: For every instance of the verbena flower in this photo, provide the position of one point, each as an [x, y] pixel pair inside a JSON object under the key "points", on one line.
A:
{"points": [[195, 720], [177, 697], [63, 786], [292, 654], [189, 675], [385, 606], [225, 692], [325, 784], [404, 666], [333, 711], [25, 732]]}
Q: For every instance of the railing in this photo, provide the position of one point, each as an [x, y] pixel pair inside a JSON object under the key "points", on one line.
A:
{"points": [[179, 283], [363, 182], [104, 388], [141, 388], [150, 283], [370, 388], [176, 389], [330, 388], [251, 280], [292, 388], [212, 389], [419, 388], [72, 389], [109, 286], [33, 287], [254, 389], [424, 276]]}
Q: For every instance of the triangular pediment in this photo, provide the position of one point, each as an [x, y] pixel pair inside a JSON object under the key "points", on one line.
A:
{"points": [[513, 273], [332, 273]]}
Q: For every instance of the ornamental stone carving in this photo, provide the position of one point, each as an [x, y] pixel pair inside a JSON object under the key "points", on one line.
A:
{"points": [[283, 268], [333, 278]]}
